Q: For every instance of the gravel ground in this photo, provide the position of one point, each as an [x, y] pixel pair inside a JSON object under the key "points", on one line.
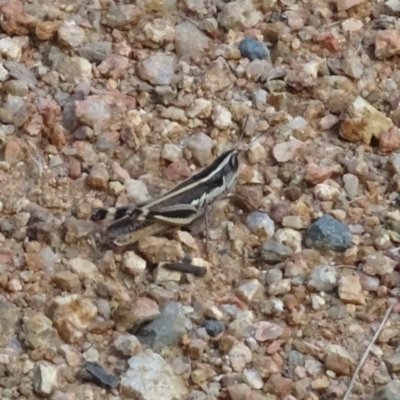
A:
{"points": [[109, 104]]}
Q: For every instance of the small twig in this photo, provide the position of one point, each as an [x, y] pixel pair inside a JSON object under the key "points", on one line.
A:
{"points": [[189, 19], [364, 357]]}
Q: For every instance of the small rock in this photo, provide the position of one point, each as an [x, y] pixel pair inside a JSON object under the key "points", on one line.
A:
{"points": [[283, 152], [127, 345], [114, 66], [295, 222], [261, 225], [326, 192], [38, 331], [323, 278], [10, 48], [222, 117], [265, 330], [72, 315], [213, 327], [239, 15], [253, 378], [76, 69], [98, 177], [387, 43], [70, 34], [363, 122], [201, 147], [253, 49], [350, 290], [46, 30], [95, 52], [201, 108], [248, 290], [351, 185], [390, 140], [353, 67], [189, 40], [378, 264], [137, 190], [132, 263], [121, 16], [239, 356], [85, 269], [343, 5], [93, 112], [45, 379], [166, 330], [278, 385], [328, 233], [143, 309], [76, 229], [149, 377], [338, 360], [171, 152], [157, 69], [290, 238], [160, 249], [66, 280], [94, 372], [275, 252], [389, 391], [19, 88]]}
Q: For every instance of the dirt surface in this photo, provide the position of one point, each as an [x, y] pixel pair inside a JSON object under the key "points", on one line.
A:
{"points": [[110, 104]]}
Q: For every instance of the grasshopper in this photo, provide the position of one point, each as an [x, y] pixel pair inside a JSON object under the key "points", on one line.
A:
{"points": [[178, 207]]}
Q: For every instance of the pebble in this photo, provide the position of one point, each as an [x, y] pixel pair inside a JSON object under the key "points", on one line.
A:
{"points": [[222, 117], [44, 379], [95, 52], [239, 356], [323, 278], [189, 40], [201, 147], [387, 43], [290, 238], [93, 112], [121, 16], [84, 269], [159, 249], [326, 192], [127, 345], [261, 225], [10, 48], [137, 190], [239, 15], [159, 32], [171, 152], [328, 233], [338, 360], [98, 177], [363, 122], [132, 263], [70, 34], [389, 391], [76, 69], [38, 331], [265, 330], [351, 185], [248, 290], [213, 327], [149, 377], [253, 49], [350, 290], [94, 372], [166, 330], [129, 314], [72, 316], [378, 264], [157, 69]]}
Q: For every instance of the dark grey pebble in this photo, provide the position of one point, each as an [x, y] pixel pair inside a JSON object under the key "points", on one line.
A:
{"points": [[253, 49], [213, 327], [327, 233], [94, 372]]}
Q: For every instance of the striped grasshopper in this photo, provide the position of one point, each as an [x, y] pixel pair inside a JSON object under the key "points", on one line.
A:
{"points": [[178, 207]]}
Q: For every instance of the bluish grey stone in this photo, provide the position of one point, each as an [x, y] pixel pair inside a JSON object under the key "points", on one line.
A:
{"points": [[390, 391], [296, 358], [253, 49], [213, 327], [166, 330], [96, 52], [327, 233]]}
